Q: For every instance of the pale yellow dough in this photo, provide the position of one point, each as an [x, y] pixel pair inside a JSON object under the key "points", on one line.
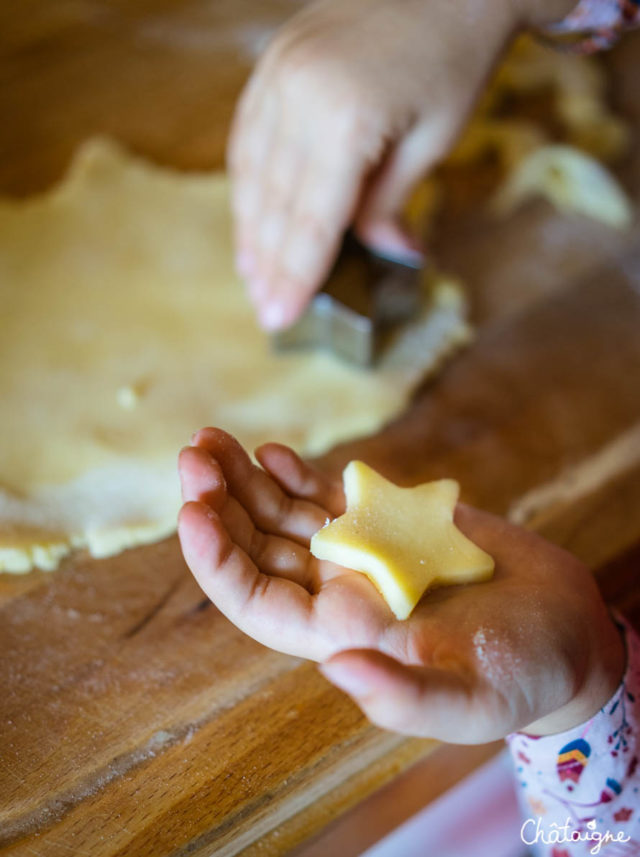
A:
{"points": [[403, 539], [124, 330], [570, 180]]}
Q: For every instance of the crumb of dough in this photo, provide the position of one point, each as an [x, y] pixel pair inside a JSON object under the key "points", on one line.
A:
{"points": [[127, 397]]}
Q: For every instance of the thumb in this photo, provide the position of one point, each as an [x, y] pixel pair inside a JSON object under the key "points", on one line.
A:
{"points": [[379, 221], [420, 701]]}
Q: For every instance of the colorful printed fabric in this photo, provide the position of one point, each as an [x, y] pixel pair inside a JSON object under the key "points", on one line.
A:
{"points": [[580, 790], [597, 24]]}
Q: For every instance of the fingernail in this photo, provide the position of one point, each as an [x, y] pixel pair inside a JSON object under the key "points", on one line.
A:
{"points": [[403, 255], [273, 316], [413, 257], [345, 678], [389, 242]]}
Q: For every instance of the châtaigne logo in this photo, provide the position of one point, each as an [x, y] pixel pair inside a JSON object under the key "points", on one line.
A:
{"points": [[532, 833]]}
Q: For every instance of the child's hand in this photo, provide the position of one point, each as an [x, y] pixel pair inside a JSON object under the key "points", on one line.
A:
{"points": [[349, 106], [533, 647]]}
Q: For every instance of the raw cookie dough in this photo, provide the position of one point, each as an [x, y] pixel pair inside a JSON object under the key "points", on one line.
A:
{"points": [[403, 539], [558, 160], [570, 180], [124, 329]]}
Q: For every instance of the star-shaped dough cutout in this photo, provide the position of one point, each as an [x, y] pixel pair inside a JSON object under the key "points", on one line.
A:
{"points": [[403, 539]]}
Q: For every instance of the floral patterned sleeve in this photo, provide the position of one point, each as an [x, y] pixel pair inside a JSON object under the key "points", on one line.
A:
{"points": [[596, 24], [579, 790]]}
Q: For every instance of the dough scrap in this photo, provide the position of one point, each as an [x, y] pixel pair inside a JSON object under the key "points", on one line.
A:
{"points": [[569, 179], [575, 89], [125, 328]]}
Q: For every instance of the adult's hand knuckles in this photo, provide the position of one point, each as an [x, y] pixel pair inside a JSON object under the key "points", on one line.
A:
{"points": [[281, 177], [297, 51], [313, 230], [304, 256], [277, 197], [271, 230], [317, 70], [325, 97]]}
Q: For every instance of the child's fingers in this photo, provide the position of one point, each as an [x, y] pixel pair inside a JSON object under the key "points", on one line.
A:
{"points": [[201, 478], [280, 557], [412, 700], [203, 482], [272, 510], [300, 479], [275, 555], [272, 610]]}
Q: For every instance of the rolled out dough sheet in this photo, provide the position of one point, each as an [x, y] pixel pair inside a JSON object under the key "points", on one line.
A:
{"points": [[125, 329]]}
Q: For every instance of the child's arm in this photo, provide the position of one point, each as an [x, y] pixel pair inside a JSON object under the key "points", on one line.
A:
{"points": [[585, 782], [593, 25], [349, 106], [532, 648]]}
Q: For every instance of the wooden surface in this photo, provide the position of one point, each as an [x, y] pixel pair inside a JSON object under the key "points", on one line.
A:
{"points": [[134, 719]]}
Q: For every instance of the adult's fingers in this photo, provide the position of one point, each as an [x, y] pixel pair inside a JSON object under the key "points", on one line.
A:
{"points": [[310, 226], [251, 143], [275, 185], [379, 218]]}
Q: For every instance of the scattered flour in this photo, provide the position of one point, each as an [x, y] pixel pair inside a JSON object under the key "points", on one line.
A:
{"points": [[496, 663]]}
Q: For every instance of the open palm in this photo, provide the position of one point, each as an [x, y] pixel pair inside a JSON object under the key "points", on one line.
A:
{"points": [[471, 663]]}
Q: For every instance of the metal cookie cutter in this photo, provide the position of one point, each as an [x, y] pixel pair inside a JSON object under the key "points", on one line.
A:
{"points": [[365, 297]]}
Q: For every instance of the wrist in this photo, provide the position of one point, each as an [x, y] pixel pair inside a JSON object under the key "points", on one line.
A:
{"points": [[541, 13], [604, 672]]}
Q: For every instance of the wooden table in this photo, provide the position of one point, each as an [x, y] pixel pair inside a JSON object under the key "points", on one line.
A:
{"points": [[134, 720]]}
